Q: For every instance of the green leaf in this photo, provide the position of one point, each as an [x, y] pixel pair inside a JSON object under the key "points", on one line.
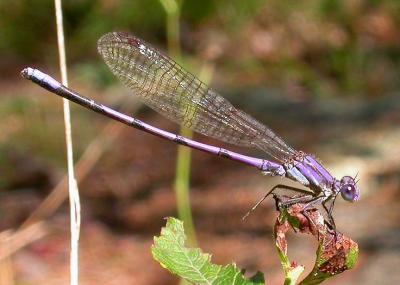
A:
{"points": [[192, 264]]}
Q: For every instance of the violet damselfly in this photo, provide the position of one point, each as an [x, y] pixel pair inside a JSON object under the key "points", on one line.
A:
{"points": [[166, 87]]}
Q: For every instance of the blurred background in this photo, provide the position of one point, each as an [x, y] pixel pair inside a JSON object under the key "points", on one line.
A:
{"points": [[322, 74]]}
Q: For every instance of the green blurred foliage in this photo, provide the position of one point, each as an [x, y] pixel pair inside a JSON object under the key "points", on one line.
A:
{"points": [[30, 23], [24, 28], [317, 47]]}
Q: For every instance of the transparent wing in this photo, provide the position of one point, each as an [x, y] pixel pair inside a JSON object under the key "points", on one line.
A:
{"points": [[178, 95]]}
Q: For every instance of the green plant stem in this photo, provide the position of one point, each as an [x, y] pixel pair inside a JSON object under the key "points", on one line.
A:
{"points": [[172, 8], [183, 161], [182, 184], [183, 169]]}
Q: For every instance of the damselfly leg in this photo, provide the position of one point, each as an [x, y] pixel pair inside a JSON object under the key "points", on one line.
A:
{"points": [[305, 193]]}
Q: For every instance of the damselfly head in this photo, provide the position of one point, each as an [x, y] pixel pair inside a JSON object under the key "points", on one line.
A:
{"points": [[348, 189]]}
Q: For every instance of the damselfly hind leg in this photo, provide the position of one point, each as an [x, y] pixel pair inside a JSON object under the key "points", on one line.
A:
{"points": [[309, 202]]}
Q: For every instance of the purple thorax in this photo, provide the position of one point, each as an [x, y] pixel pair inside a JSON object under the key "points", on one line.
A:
{"points": [[308, 171]]}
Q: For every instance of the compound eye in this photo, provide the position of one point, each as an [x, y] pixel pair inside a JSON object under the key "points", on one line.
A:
{"points": [[349, 192]]}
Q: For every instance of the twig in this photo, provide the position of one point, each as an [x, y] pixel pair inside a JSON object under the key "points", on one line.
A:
{"points": [[73, 187], [6, 272], [11, 241]]}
